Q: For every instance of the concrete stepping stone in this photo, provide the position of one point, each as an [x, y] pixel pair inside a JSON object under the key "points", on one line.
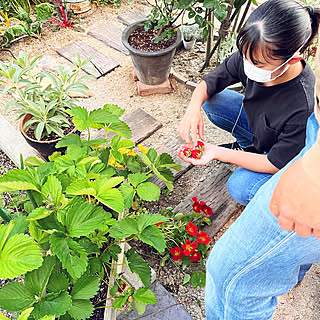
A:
{"points": [[13, 144], [101, 64], [213, 191], [171, 147], [110, 35], [142, 125], [165, 308], [131, 16]]}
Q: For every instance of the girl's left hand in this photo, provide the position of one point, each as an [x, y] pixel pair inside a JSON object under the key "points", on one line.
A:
{"points": [[211, 152]]}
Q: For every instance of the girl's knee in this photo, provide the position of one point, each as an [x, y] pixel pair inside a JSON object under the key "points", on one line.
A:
{"points": [[237, 189]]}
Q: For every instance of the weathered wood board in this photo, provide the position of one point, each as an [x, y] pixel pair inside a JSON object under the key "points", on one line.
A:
{"points": [[171, 146], [213, 191], [110, 35], [131, 16], [12, 143], [142, 126], [100, 64]]}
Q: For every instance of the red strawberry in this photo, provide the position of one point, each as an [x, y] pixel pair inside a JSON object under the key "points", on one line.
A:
{"points": [[196, 154], [200, 146], [187, 152]]}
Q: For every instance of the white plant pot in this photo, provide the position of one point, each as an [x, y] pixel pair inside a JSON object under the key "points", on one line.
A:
{"points": [[188, 45]]}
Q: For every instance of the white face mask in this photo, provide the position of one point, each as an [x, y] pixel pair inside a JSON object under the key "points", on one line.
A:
{"points": [[260, 75]]}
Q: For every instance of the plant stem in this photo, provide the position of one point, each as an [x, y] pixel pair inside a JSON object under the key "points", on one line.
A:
{"points": [[6, 218]]}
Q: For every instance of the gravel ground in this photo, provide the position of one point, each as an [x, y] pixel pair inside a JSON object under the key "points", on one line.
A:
{"points": [[119, 88]]}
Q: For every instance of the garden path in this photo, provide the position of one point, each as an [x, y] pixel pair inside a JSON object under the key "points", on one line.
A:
{"points": [[118, 87]]}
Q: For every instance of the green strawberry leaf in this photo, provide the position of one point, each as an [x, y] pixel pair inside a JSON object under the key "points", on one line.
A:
{"points": [[138, 266], [153, 236], [72, 256], [36, 281], [148, 191], [146, 220], [124, 228], [52, 303], [14, 296], [85, 288], [145, 296], [81, 309]]}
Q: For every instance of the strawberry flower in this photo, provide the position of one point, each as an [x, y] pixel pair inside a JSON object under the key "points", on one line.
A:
{"points": [[195, 256], [176, 253], [192, 229], [189, 247], [203, 238]]}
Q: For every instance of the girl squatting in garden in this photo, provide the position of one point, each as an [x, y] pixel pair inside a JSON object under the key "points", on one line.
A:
{"points": [[269, 120]]}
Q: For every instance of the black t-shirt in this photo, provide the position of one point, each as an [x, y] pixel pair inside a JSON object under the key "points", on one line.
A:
{"points": [[277, 115]]}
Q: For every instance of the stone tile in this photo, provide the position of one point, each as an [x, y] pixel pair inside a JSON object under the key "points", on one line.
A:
{"points": [[170, 309]]}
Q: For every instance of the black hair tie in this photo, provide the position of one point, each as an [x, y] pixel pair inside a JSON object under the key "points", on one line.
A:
{"points": [[310, 10]]}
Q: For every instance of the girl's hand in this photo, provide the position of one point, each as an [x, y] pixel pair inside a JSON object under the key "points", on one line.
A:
{"points": [[191, 125], [211, 152]]}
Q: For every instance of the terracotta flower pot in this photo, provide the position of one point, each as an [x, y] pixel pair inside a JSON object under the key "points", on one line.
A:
{"points": [[79, 6], [151, 67], [46, 148]]}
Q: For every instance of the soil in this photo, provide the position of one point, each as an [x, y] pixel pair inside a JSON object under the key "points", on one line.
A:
{"points": [[118, 87], [143, 40], [189, 63]]}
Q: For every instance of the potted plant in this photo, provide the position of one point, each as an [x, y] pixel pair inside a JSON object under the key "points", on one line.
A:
{"points": [[42, 100], [152, 43], [190, 35], [64, 244]]}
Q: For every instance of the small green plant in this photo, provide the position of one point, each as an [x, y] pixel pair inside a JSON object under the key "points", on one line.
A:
{"points": [[191, 32], [227, 47], [44, 96], [165, 14], [116, 3], [26, 25]]}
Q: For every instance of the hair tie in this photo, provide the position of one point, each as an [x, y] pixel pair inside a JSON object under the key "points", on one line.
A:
{"points": [[310, 10]]}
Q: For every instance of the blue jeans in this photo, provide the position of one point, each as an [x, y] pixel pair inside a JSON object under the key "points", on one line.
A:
{"points": [[256, 260], [226, 112]]}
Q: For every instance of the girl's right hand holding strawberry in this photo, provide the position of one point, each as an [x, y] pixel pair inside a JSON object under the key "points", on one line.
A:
{"points": [[207, 153]]}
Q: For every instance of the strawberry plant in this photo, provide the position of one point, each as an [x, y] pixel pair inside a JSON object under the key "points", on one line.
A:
{"points": [[65, 245]]}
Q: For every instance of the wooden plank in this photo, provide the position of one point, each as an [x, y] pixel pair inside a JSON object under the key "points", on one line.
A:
{"points": [[131, 16], [142, 125], [213, 191], [101, 64], [110, 35], [12, 143], [171, 147]]}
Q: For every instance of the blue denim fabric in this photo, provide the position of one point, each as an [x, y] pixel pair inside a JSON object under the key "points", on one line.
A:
{"points": [[255, 260], [225, 111]]}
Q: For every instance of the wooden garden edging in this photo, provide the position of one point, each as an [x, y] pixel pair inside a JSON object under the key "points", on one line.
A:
{"points": [[213, 191]]}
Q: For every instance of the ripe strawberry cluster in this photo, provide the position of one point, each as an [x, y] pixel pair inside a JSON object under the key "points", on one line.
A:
{"points": [[196, 152], [189, 249]]}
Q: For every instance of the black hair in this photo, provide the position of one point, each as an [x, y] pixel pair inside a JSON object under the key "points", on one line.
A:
{"points": [[281, 27]]}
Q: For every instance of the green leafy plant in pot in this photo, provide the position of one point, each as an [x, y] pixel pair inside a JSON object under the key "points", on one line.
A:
{"points": [[190, 35], [152, 43], [42, 100]]}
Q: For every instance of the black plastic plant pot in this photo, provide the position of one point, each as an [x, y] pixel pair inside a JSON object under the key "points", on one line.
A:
{"points": [[45, 148], [151, 67]]}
